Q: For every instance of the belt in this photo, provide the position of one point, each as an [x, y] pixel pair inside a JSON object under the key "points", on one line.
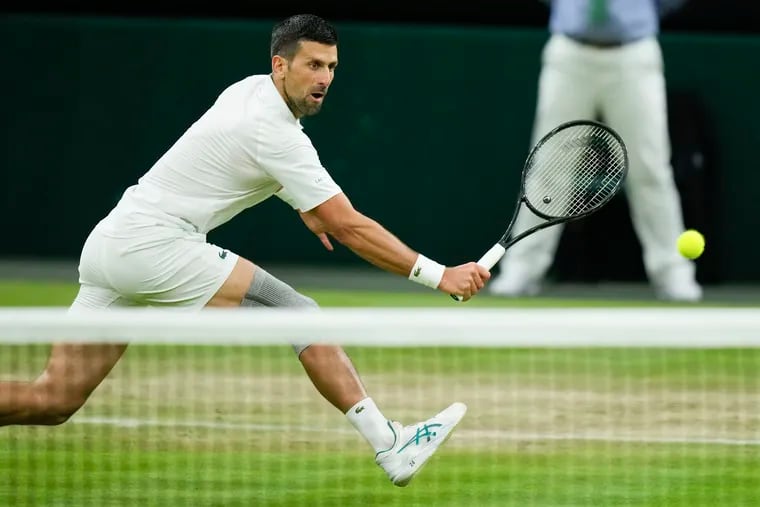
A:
{"points": [[599, 44]]}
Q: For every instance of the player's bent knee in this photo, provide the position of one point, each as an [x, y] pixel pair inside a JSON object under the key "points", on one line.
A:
{"points": [[267, 290]]}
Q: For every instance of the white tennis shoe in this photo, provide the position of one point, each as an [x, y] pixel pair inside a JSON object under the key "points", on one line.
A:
{"points": [[415, 444]]}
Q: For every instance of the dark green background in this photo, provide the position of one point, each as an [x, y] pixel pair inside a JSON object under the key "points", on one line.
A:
{"points": [[426, 128]]}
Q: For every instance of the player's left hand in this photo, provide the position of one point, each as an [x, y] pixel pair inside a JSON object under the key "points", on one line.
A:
{"points": [[316, 226], [325, 241]]}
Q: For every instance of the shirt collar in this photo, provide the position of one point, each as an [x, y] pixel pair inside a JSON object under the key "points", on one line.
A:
{"points": [[274, 97]]}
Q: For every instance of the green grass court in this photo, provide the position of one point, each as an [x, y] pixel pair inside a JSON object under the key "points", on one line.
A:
{"points": [[243, 426]]}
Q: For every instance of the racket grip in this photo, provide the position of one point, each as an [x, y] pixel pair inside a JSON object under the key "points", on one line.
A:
{"points": [[489, 260], [492, 256]]}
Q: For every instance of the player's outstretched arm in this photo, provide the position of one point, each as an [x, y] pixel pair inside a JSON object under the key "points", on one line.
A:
{"points": [[380, 247], [316, 226]]}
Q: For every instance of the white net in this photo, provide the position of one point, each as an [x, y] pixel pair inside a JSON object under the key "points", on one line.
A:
{"points": [[636, 406], [413, 327]]}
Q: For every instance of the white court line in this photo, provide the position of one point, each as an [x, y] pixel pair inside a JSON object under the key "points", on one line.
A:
{"points": [[488, 434]]}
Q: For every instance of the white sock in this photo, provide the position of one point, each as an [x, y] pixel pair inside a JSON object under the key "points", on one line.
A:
{"points": [[372, 424]]}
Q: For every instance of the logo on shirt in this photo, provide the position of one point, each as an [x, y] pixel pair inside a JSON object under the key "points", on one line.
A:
{"points": [[417, 271], [223, 254]]}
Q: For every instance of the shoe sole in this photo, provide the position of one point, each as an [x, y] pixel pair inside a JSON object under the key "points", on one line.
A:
{"points": [[425, 455]]}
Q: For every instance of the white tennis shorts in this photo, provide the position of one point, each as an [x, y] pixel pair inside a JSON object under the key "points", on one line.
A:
{"points": [[150, 265]]}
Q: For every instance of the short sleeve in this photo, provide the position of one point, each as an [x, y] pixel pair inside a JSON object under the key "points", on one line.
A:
{"points": [[296, 166], [285, 196]]}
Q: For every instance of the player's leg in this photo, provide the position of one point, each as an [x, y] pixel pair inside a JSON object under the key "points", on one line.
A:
{"points": [[328, 366], [72, 373], [636, 107], [566, 91], [401, 450]]}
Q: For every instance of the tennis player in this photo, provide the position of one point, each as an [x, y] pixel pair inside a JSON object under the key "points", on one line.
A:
{"points": [[151, 249]]}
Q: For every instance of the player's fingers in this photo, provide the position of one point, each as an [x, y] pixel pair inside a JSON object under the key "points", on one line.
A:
{"points": [[466, 290], [481, 272], [325, 241], [478, 277]]}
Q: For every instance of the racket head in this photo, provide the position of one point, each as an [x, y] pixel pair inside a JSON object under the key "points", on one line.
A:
{"points": [[573, 170]]}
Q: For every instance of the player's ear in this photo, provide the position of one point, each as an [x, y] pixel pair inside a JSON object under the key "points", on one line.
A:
{"points": [[279, 65]]}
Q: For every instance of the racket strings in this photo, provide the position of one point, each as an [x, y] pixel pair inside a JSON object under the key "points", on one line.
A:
{"points": [[594, 182], [574, 171]]}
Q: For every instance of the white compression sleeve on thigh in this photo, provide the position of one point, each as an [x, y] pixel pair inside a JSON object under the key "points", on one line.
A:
{"points": [[267, 290]]}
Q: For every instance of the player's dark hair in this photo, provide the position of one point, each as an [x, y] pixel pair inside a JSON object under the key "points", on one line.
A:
{"points": [[288, 34]]}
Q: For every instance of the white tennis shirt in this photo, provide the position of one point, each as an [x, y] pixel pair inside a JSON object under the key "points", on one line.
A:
{"points": [[243, 150]]}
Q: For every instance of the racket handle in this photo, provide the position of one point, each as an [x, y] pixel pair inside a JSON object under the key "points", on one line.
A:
{"points": [[491, 257], [489, 260]]}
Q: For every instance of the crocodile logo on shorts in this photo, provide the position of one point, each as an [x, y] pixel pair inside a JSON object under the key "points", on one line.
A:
{"points": [[223, 254]]}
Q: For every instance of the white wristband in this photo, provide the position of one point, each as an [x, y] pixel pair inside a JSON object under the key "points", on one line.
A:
{"points": [[427, 272]]}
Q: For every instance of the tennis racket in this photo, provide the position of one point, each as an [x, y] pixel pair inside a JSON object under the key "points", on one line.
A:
{"points": [[573, 171]]}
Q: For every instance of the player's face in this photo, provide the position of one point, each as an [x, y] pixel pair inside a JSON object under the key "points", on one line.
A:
{"points": [[306, 77]]}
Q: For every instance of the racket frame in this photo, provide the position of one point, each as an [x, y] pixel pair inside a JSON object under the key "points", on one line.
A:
{"points": [[497, 251], [506, 240]]}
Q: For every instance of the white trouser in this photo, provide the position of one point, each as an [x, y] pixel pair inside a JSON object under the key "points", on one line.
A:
{"points": [[626, 86]]}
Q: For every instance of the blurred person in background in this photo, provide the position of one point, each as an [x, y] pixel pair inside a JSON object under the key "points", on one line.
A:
{"points": [[603, 61]]}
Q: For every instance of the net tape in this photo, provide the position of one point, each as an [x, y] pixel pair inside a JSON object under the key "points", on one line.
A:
{"points": [[467, 327]]}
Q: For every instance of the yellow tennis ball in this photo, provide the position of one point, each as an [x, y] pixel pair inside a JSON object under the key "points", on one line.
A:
{"points": [[691, 244]]}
